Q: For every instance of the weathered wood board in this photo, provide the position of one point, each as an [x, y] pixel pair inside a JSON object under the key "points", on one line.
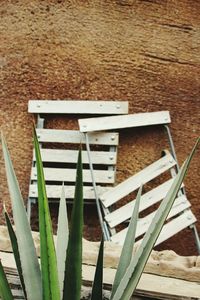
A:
{"points": [[152, 286], [78, 107], [127, 121], [136, 180]]}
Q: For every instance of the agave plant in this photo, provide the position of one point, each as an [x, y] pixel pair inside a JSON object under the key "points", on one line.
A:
{"points": [[56, 277], [59, 276]]}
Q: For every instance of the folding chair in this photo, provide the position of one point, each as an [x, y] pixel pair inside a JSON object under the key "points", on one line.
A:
{"points": [[180, 216], [60, 163]]}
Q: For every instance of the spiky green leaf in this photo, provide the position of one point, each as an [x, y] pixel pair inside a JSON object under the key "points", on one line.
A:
{"points": [[73, 265], [134, 271], [62, 239], [15, 248], [50, 282], [97, 288], [5, 290], [127, 250], [28, 257]]}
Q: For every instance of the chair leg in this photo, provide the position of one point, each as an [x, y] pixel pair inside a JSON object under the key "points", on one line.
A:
{"points": [[197, 238], [98, 204], [171, 144], [29, 210], [193, 227]]}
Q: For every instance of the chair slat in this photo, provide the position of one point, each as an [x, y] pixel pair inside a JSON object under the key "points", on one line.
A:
{"points": [[54, 191], [180, 204], [174, 226], [77, 107], [75, 137], [71, 156], [148, 199], [177, 224], [135, 181], [69, 175], [126, 121]]}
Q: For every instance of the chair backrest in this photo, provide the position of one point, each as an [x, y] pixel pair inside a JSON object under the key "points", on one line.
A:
{"points": [[59, 148], [180, 215]]}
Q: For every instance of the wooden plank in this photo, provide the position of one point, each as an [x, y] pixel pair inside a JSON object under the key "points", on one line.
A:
{"points": [[180, 204], [150, 285], [148, 199], [54, 191], [69, 175], [169, 229], [153, 286], [127, 121], [76, 137], [174, 226], [78, 107], [71, 156], [135, 181]]}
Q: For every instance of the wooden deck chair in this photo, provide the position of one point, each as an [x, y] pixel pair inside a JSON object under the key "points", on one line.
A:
{"points": [[60, 164], [180, 216]]}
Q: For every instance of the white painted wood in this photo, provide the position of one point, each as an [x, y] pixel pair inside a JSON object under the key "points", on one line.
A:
{"points": [[78, 107], [54, 191], [126, 121], [169, 229], [135, 181], [125, 212], [180, 204], [75, 137], [69, 175], [176, 225], [71, 156]]}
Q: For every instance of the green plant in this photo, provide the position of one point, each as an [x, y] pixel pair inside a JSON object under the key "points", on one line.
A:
{"points": [[60, 274], [43, 283]]}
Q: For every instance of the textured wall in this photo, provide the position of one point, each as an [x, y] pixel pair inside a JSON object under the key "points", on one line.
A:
{"points": [[146, 52]]}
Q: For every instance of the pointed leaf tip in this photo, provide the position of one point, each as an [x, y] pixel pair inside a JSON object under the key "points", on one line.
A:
{"points": [[97, 288], [50, 281]]}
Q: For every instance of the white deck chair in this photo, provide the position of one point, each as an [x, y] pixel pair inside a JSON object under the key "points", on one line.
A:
{"points": [[60, 164], [180, 216]]}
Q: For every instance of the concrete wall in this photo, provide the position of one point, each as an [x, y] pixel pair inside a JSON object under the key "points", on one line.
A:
{"points": [[146, 52]]}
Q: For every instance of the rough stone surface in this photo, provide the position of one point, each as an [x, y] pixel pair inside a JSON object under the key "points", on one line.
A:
{"points": [[146, 52]]}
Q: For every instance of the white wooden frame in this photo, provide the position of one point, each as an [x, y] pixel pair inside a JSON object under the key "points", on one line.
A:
{"points": [[179, 217], [108, 198], [106, 158], [77, 107], [126, 121]]}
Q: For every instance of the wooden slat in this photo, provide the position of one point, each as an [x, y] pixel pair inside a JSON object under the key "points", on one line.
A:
{"points": [[54, 191], [127, 121], [174, 226], [75, 137], [169, 229], [135, 181], [71, 156], [78, 107], [180, 204], [124, 213], [150, 286], [69, 175]]}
